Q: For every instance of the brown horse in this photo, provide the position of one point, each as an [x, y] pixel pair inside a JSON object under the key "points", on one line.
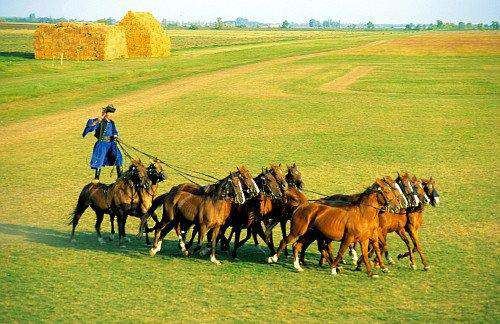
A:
{"points": [[97, 196], [348, 224], [293, 197], [256, 210], [415, 218], [405, 220], [208, 210], [387, 220], [250, 189]]}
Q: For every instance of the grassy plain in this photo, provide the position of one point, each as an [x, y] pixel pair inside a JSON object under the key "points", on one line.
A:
{"points": [[250, 97]]}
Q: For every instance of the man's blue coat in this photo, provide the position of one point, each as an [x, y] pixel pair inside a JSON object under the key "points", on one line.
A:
{"points": [[105, 153]]}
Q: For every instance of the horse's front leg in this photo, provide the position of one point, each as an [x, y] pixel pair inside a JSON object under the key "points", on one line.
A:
{"points": [[215, 235], [112, 222]]}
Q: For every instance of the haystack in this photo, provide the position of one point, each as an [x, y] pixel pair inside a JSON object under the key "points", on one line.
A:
{"points": [[79, 41], [145, 36]]}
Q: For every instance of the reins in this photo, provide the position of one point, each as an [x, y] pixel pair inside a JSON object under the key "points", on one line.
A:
{"points": [[186, 175]]}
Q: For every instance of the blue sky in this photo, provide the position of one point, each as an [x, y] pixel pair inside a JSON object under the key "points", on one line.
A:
{"points": [[378, 11]]}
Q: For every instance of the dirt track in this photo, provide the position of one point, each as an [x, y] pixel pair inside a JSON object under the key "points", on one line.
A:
{"points": [[49, 125]]}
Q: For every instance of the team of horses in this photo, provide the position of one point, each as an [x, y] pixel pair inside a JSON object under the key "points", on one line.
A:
{"points": [[257, 204]]}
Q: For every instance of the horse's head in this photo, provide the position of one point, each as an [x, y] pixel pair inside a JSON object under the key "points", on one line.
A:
{"points": [[278, 173], [230, 187], [137, 173], [419, 191], [155, 172], [409, 190], [397, 189], [267, 182], [429, 186], [385, 196], [295, 198], [250, 187], [294, 177]]}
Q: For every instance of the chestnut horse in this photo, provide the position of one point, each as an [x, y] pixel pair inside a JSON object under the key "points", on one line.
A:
{"points": [[208, 209], [256, 210], [98, 196], [415, 218], [348, 224]]}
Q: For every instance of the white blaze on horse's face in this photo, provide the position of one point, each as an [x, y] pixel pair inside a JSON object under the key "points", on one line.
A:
{"points": [[426, 198], [256, 188], [415, 198], [398, 188], [242, 201]]}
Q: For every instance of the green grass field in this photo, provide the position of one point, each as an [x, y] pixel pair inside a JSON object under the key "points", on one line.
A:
{"points": [[426, 103]]}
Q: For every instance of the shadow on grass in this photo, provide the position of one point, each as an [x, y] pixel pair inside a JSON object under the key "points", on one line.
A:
{"points": [[25, 55], [136, 248], [84, 240]]}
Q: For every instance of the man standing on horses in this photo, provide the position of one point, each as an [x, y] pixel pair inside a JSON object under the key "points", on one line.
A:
{"points": [[105, 152]]}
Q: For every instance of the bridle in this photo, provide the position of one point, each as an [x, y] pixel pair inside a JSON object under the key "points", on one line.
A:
{"points": [[265, 187], [248, 190], [225, 189]]}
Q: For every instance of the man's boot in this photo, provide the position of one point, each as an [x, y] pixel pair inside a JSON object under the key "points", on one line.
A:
{"points": [[96, 176]]}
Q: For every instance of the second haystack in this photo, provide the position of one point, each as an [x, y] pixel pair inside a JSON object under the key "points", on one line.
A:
{"points": [[145, 36]]}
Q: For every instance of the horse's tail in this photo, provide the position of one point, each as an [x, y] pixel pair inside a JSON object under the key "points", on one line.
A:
{"points": [[81, 206]]}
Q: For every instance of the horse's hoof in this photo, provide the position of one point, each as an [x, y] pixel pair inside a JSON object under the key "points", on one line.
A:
{"points": [[427, 267], [296, 265], [185, 252], [214, 260], [376, 265], [357, 269], [72, 240], [400, 256], [101, 240], [413, 266], [122, 246], [152, 252], [343, 261], [272, 259], [386, 270], [111, 237], [334, 271], [374, 276]]}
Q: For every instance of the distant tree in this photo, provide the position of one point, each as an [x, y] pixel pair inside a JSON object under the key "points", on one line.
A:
{"points": [[494, 25], [431, 27], [218, 23], [370, 25], [313, 23], [409, 27], [106, 21], [461, 25], [285, 24], [193, 26], [480, 26], [450, 26], [32, 16], [439, 24]]}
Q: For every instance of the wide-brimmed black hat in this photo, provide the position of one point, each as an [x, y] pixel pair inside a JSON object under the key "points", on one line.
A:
{"points": [[109, 108]]}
